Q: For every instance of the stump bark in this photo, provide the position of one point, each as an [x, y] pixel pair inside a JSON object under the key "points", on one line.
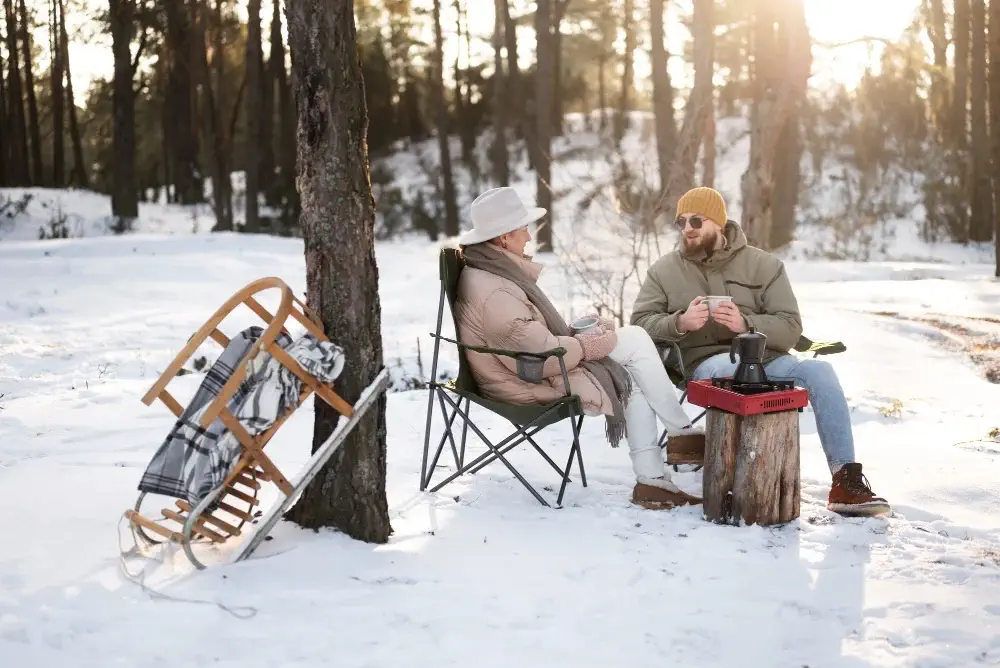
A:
{"points": [[751, 472]]}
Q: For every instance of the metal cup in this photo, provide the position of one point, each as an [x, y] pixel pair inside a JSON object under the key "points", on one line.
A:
{"points": [[584, 326]]}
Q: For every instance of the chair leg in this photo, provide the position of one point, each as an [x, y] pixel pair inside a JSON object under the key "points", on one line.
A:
{"points": [[449, 420], [465, 433], [450, 436], [424, 477], [579, 451], [573, 451], [495, 450]]}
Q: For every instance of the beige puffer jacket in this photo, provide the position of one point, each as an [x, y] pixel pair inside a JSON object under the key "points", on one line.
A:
{"points": [[492, 311]]}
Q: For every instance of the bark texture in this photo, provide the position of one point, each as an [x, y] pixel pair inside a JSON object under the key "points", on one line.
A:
{"points": [[751, 473], [994, 83], [337, 221]]}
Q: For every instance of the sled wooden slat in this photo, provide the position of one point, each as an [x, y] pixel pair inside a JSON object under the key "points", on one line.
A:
{"points": [[324, 392], [254, 468], [147, 523], [235, 512], [198, 528], [172, 404], [219, 337], [211, 519], [264, 314], [256, 452], [247, 481], [242, 496]]}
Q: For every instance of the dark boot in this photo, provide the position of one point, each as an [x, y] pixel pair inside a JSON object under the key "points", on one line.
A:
{"points": [[851, 494]]}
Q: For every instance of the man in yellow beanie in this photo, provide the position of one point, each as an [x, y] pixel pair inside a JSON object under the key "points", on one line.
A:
{"points": [[715, 260]]}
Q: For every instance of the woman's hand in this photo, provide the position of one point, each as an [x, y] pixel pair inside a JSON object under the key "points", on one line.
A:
{"points": [[597, 343]]}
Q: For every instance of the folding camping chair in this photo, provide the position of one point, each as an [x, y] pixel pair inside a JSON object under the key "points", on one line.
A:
{"points": [[237, 496], [527, 420], [674, 363]]}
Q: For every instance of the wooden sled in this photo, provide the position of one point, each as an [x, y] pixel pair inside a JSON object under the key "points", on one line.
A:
{"points": [[236, 499]]}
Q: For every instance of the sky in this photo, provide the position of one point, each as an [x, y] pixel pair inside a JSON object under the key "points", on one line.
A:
{"points": [[829, 21]]}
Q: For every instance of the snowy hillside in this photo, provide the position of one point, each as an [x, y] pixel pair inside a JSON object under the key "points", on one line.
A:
{"points": [[479, 572]]}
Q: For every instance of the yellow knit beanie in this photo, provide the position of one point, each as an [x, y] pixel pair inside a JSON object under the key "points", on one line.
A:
{"points": [[704, 201]]}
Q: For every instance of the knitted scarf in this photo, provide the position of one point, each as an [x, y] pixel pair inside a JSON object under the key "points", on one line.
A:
{"points": [[611, 375]]}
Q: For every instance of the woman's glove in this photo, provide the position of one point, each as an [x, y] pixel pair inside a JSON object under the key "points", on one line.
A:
{"points": [[598, 344]]}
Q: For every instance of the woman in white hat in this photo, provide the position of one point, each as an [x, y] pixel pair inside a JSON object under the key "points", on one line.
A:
{"points": [[617, 373]]}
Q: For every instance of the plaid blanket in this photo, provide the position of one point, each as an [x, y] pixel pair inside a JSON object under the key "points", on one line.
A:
{"points": [[192, 460]]}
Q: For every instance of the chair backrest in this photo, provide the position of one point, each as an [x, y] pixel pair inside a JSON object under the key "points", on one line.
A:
{"points": [[670, 354], [450, 269]]}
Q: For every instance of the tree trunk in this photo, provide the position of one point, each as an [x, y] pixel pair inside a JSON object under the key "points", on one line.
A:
{"points": [[938, 36], [441, 107], [994, 50], [181, 109], [58, 103], [787, 169], [751, 473], [558, 13], [501, 164], [602, 95], [285, 135], [341, 272], [266, 143], [708, 144], [778, 82], [289, 157], [210, 120], [515, 110], [621, 118], [461, 113], [787, 179], [78, 176], [19, 168], [699, 104], [254, 101], [543, 121], [5, 132], [221, 143], [38, 171], [124, 195], [663, 96], [960, 110], [981, 221]]}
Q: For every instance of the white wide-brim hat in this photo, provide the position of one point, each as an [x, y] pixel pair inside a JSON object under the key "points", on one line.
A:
{"points": [[498, 211]]}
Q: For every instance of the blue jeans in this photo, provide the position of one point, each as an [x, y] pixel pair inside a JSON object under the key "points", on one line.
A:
{"points": [[833, 418]]}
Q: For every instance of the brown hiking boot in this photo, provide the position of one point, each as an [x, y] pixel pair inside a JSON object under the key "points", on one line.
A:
{"points": [[661, 494], [851, 494]]}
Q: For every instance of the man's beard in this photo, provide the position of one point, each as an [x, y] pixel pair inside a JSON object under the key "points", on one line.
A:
{"points": [[706, 243]]}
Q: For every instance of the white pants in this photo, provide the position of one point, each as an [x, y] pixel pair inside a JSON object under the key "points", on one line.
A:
{"points": [[653, 396]]}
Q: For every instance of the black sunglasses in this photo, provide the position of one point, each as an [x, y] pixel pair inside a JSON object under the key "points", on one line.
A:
{"points": [[695, 221]]}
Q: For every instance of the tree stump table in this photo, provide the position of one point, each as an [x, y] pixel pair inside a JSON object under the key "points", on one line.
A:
{"points": [[751, 470]]}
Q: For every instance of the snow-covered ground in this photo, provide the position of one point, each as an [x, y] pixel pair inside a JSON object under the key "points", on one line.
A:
{"points": [[87, 324]]}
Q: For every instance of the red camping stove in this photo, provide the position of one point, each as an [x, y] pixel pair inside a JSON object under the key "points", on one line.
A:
{"points": [[769, 396]]}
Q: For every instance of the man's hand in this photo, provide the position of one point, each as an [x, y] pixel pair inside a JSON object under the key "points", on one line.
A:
{"points": [[695, 317], [728, 315]]}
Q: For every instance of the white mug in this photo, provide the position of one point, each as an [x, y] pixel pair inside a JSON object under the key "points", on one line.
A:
{"points": [[715, 300]]}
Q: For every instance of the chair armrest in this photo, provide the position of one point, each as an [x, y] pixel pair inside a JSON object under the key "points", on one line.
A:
{"points": [[514, 354], [805, 345], [527, 373]]}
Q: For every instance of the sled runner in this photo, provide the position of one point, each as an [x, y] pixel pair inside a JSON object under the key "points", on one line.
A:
{"points": [[213, 461]]}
